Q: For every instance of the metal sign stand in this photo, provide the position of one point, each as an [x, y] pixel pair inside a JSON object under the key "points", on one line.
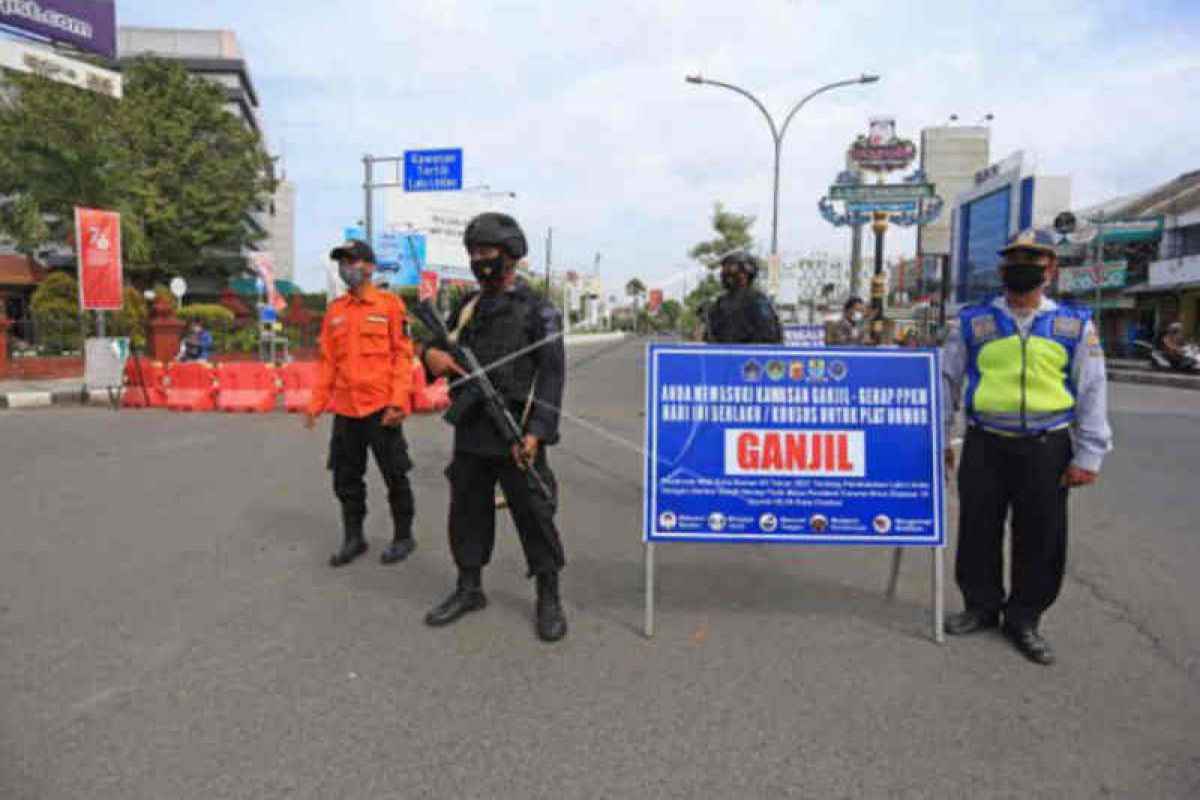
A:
{"points": [[937, 611]]}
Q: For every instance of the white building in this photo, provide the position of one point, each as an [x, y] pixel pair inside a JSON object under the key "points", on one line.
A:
{"points": [[951, 155], [442, 218], [1005, 198]]}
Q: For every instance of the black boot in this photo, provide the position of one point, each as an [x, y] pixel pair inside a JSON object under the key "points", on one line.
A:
{"points": [[468, 596], [353, 544], [551, 624], [398, 550]]}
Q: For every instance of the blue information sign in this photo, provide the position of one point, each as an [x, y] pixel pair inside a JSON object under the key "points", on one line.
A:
{"points": [[773, 444], [433, 170], [804, 335]]}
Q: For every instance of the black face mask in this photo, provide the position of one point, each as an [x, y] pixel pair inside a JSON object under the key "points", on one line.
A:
{"points": [[488, 270], [1021, 278]]}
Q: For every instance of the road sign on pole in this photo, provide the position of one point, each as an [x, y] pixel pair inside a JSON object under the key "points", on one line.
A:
{"points": [[433, 170]]}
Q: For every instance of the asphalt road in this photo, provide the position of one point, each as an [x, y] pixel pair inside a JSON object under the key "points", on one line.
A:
{"points": [[169, 629]]}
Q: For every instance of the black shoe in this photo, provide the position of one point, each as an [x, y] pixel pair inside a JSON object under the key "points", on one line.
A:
{"points": [[1029, 642], [398, 550], [970, 621], [352, 548], [551, 623], [468, 596]]}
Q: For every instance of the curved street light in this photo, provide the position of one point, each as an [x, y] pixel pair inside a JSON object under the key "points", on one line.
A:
{"points": [[777, 133]]}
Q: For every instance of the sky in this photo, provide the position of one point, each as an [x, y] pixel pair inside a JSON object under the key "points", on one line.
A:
{"points": [[581, 108]]}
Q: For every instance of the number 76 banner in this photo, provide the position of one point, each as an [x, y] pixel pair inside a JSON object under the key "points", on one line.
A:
{"points": [[98, 250]]}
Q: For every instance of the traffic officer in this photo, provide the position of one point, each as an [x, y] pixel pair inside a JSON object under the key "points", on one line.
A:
{"points": [[365, 380], [1037, 421], [517, 337], [741, 314]]}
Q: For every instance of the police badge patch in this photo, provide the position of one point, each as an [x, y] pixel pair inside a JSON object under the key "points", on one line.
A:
{"points": [[983, 328], [1067, 327]]}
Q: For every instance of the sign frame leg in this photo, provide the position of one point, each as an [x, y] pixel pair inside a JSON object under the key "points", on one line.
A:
{"points": [[939, 607], [648, 628]]}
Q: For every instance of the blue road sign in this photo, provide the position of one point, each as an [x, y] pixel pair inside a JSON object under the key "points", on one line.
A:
{"points": [[433, 170], [784, 445], [804, 335]]}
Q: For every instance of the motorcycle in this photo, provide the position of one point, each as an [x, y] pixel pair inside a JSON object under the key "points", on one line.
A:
{"points": [[1188, 360]]}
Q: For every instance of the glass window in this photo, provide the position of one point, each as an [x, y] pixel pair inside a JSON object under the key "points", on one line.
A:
{"points": [[988, 232]]}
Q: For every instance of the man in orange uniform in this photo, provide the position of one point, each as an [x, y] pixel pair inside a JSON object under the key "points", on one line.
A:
{"points": [[365, 380]]}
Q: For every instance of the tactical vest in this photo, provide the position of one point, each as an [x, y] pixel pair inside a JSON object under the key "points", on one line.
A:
{"points": [[495, 331], [1021, 386], [731, 321]]}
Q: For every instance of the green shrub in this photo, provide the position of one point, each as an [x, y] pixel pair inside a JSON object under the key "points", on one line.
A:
{"points": [[131, 319], [55, 308]]}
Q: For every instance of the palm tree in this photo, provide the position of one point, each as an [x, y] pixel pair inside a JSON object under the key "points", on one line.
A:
{"points": [[635, 289]]}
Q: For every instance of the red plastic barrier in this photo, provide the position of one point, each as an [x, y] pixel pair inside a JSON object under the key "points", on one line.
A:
{"points": [[299, 378], [190, 387], [151, 393], [246, 386]]}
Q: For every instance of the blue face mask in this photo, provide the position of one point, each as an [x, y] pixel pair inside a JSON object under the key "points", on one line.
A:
{"points": [[351, 274]]}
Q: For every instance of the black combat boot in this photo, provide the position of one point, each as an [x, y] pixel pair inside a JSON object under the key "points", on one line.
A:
{"points": [[400, 548], [551, 623], [353, 544], [468, 596]]}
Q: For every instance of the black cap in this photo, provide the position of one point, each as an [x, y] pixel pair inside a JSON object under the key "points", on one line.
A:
{"points": [[353, 250]]}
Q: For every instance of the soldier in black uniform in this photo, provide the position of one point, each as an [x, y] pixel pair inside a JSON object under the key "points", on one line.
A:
{"points": [[742, 314], [517, 336]]}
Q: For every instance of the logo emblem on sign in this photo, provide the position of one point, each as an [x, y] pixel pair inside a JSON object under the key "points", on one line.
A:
{"points": [[776, 370], [816, 369], [838, 370], [796, 370], [882, 523], [667, 520], [768, 523], [716, 521], [752, 372], [818, 522]]}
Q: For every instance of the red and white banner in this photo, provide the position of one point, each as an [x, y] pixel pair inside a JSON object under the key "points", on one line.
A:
{"points": [[264, 265], [429, 286], [98, 252], [656, 300]]}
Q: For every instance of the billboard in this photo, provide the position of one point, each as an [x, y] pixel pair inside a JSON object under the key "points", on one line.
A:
{"points": [[90, 25]]}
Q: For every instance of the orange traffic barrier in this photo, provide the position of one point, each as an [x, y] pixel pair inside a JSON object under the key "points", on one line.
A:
{"points": [[190, 386], [246, 386], [298, 378], [144, 384]]}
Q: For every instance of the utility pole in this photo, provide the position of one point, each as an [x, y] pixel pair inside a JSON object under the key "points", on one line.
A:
{"points": [[368, 161]]}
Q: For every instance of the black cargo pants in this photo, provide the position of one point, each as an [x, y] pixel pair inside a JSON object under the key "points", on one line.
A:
{"points": [[473, 480], [352, 436]]}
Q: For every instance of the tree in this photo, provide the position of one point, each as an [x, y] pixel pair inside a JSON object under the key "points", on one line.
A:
{"points": [[183, 172], [635, 289], [733, 234], [55, 308], [669, 314]]}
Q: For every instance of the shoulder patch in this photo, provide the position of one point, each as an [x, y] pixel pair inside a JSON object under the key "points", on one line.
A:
{"points": [[983, 328], [1068, 327], [335, 321]]}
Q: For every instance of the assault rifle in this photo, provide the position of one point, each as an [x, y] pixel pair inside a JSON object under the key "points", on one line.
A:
{"points": [[477, 389]]}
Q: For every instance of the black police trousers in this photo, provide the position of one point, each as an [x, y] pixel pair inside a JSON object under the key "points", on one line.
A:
{"points": [[352, 436], [999, 473], [473, 480]]}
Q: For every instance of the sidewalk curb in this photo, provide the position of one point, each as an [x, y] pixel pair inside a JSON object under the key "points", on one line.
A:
{"points": [[1154, 378]]}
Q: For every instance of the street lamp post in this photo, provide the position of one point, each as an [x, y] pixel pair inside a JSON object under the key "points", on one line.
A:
{"points": [[777, 134]]}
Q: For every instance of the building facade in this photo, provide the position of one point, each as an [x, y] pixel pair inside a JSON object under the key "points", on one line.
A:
{"points": [[951, 156], [1004, 198]]}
